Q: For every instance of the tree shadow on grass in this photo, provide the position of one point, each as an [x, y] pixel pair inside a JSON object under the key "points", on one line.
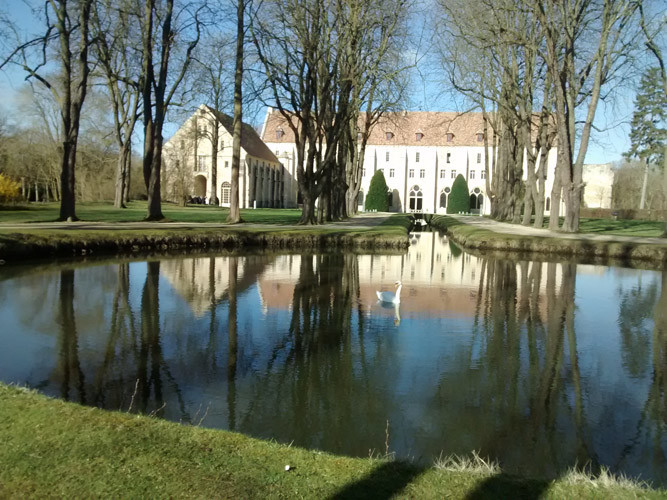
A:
{"points": [[506, 486], [385, 481]]}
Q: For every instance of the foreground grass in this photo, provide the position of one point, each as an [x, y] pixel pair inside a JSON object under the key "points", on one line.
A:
{"points": [[52, 448], [136, 212], [623, 252]]}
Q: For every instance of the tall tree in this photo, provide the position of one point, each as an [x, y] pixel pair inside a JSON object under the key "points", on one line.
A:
{"points": [[68, 24], [160, 38], [648, 134], [234, 207], [586, 42], [120, 67], [654, 33]]}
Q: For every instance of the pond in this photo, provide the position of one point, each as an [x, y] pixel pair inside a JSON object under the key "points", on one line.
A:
{"points": [[539, 365]]}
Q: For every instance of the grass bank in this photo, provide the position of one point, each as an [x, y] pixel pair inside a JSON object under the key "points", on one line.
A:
{"points": [[52, 448], [275, 232], [136, 212], [624, 252]]}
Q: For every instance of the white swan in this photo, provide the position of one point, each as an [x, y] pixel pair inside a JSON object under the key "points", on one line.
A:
{"points": [[392, 297]]}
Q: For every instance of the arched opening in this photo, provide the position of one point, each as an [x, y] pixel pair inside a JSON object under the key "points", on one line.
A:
{"points": [[443, 200], [480, 201], [547, 207], [200, 186], [473, 201], [390, 199], [415, 199], [225, 194], [360, 199]]}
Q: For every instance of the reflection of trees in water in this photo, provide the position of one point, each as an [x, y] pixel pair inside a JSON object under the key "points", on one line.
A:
{"points": [[520, 377], [635, 311], [314, 390], [69, 367], [656, 405]]}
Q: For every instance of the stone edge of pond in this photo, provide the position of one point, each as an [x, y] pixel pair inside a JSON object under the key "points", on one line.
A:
{"points": [[17, 246], [88, 451], [616, 252]]}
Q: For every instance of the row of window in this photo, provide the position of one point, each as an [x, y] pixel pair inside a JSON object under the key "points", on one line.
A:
{"points": [[220, 147], [448, 158], [422, 173], [389, 135]]}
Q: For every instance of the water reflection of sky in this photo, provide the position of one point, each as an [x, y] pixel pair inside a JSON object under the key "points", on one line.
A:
{"points": [[470, 361]]}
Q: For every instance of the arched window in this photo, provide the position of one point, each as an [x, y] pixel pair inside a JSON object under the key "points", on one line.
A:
{"points": [[548, 205], [443, 200], [226, 192], [415, 199], [480, 201], [473, 201], [360, 199]]}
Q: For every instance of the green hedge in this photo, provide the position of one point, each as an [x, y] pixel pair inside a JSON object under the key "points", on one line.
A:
{"points": [[377, 193], [459, 198]]}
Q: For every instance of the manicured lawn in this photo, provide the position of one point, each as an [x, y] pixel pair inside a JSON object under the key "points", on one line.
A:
{"points": [[619, 227], [55, 449], [136, 212]]}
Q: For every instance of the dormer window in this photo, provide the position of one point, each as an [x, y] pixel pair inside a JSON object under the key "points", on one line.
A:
{"points": [[419, 136], [450, 137], [480, 136], [279, 133], [389, 135]]}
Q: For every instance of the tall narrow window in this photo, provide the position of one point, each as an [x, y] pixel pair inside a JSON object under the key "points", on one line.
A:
{"points": [[391, 172], [479, 157], [417, 157], [442, 173], [386, 156], [482, 174], [226, 191], [472, 174], [453, 176], [363, 172], [449, 157], [411, 173], [422, 173]]}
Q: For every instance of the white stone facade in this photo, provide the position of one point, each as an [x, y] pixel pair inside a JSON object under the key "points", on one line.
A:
{"points": [[187, 160], [420, 154]]}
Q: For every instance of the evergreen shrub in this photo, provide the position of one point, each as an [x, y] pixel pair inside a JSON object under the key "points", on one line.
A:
{"points": [[459, 198]]}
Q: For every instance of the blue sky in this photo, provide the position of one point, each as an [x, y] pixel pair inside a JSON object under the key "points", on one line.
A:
{"points": [[428, 93]]}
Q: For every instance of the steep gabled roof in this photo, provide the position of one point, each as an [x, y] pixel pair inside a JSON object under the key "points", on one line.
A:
{"points": [[250, 140]]}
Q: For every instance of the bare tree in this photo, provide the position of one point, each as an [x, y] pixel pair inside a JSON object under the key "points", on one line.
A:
{"points": [[120, 67], [68, 24], [234, 210], [160, 37], [654, 33], [586, 43]]}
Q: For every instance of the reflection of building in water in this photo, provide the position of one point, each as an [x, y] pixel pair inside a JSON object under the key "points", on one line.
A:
{"points": [[204, 281], [437, 277]]}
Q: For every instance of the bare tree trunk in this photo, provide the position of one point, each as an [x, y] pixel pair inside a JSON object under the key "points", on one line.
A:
{"points": [[642, 201], [234, 210]]}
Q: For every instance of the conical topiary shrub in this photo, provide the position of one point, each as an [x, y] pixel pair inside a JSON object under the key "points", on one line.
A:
{"points": [[377, 193], [459, 198]]}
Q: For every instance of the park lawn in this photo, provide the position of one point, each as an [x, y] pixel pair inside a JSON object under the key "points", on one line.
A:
{"points": [[136, 212], [621, 227], [56, 449]]}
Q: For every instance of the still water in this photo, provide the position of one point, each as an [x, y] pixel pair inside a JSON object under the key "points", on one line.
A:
{"points": [[538, 365]]}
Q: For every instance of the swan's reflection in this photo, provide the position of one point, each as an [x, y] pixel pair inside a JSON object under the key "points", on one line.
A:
{"points": [[397, 310]]}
